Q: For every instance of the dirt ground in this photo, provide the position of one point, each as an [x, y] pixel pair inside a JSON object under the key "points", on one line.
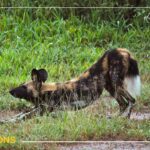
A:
{"points": [[134, 115], [117, 145]]}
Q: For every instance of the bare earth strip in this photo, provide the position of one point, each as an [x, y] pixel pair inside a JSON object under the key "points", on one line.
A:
{"points": [[134, 115], [106, 145]]}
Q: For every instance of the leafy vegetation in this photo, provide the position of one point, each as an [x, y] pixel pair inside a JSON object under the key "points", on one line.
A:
{"points": [[65, 48]]}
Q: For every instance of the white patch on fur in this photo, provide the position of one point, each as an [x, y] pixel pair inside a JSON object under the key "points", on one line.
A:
{"points": [[133, 85]]}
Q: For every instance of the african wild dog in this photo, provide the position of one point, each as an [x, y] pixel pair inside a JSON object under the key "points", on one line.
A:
{"points": [[116, 71]]}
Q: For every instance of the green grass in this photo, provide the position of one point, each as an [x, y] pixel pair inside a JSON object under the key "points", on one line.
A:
{"points": [[65, 48], [77, 126]]}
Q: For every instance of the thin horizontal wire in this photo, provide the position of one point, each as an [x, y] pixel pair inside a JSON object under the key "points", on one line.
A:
{"points": [[56, 7], [83, 142]]}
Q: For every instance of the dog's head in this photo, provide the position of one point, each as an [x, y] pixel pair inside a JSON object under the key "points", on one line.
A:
{"points": [[31, 89]]}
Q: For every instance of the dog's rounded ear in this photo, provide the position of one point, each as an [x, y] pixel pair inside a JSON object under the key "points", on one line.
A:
{"points": [[34, 75], [43, 75], [40, 75]]}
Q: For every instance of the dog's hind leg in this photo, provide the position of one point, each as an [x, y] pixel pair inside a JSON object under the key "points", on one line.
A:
{"points": [[119, 98], [115, 86], [124, 95]]}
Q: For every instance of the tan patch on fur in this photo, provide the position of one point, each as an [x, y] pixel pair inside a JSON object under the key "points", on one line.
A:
{"points": [[125, 52], [85, 75], [54, 86], [73, 80], [30, 87], [48, 87], [105, 64], [126, 55], [70, 86]]}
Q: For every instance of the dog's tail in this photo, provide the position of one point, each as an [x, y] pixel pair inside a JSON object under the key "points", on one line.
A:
{"points": [[132, 79]]}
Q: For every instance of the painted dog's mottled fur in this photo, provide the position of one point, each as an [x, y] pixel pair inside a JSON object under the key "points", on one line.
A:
{"points": [[114, 71]]}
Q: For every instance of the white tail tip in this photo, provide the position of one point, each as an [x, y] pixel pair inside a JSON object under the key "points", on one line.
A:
{"points": [[133, 85]]}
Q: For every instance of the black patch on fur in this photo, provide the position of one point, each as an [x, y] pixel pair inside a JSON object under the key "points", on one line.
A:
{"points": [[21, 92], [116, 73], [40, 74], [133, 68]]}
